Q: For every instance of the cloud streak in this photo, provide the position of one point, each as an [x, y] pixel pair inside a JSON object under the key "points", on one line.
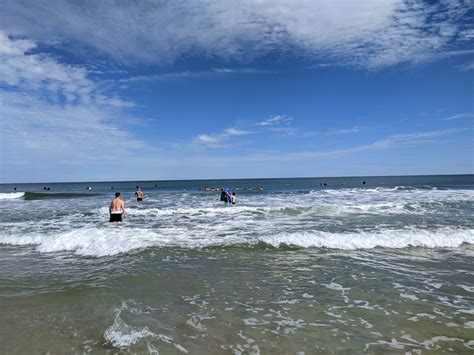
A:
{"points": [[214, 73], [466, 66], [214, 140], [275, 120], [460, 116]]}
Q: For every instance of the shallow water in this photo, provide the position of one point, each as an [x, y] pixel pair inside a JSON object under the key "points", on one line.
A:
{"points": [[295, 268]]}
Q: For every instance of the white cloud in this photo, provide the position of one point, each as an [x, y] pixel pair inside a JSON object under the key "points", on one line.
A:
{"points": [[53, 114], [209, 138], [466, 67], [344, 131], [285, 131], [36, 131], [236, 132], [243, 71], [42, 73], [413, 138], [467, 35], [34, 71], [461, 115], [193, 75], [370, 33], [275, 120], [293, 132], [213, 140]]}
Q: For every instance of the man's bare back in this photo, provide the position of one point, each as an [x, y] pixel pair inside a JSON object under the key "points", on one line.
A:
{"points": [[139, 195], [117, 205]]}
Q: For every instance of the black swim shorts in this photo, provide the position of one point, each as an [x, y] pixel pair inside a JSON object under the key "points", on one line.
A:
{"points": [[139, 199], [115, 217]]}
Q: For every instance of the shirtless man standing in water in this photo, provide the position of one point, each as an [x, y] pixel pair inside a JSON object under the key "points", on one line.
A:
{"points": [[116, 209], [139, 193]]}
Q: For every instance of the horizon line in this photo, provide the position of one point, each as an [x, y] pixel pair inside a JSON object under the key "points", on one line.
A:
{"points": [[247, 178]]}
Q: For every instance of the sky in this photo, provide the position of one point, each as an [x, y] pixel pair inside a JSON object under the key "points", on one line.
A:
{"points": [[163, 90]]}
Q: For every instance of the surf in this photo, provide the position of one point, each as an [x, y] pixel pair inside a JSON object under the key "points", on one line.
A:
{"points": [[113, 240], [11, 195]]}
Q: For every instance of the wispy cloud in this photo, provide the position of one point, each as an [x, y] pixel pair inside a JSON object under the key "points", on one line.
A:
{"points": [[213, 140], [236, 132], [214, 73], [460, 115], [466, 66], [466, 35], [344, 131], [371, 33], [390, 142], [352, 130], [209, 139], [285, 131], [282, 124], [414, 138], [52, 113], [43, 74], [275, 120], [243, 71]]}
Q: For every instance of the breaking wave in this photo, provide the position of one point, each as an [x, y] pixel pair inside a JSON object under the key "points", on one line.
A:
{"points": [[115, 239], [11, 195]]}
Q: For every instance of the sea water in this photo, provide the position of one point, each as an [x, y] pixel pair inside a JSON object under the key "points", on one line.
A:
{"points": [[297, 266]]}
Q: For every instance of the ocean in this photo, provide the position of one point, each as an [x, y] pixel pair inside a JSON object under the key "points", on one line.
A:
{"points": [[297, 266]]}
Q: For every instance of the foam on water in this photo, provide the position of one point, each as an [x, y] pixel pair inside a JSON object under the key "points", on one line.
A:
{"points": [[11, 195], [339, 219], [379, 201], [446, 237], [115, 239], [122, 335]]}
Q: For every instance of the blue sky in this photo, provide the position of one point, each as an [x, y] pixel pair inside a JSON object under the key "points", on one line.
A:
{"points": [[137, 90]]}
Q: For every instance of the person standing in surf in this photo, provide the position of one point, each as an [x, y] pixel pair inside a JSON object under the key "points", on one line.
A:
{"points": [[139, 194], [117, 209], [223, 196]]}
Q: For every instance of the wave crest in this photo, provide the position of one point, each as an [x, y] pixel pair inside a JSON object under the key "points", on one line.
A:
{"points": [[114, 240], [11, 195]]}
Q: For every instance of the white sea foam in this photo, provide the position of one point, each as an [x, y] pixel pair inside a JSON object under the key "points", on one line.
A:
{"points": [[122, 335], [408, 296], [469, 324], [11, 195], [337, 219], [116, 239], [467, 288], [380, 201], [445, 237]]}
